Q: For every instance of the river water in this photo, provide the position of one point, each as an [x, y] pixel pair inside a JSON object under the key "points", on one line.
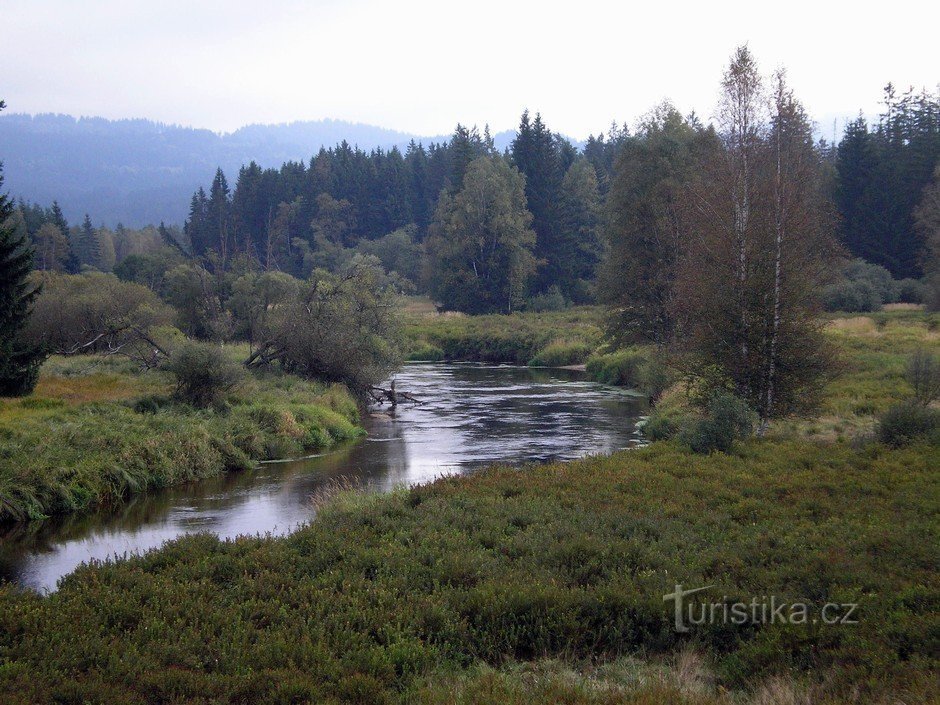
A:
{"points": [[472, 415]]}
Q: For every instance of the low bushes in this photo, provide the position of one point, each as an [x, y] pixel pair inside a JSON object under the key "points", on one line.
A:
{"points": [[716, 425], [909, 422], [380, 596], [638, 368], [865, 287], [205, 375]]}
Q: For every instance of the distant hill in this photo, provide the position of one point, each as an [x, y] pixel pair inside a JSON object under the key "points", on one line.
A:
{"points": [[138, 172]]}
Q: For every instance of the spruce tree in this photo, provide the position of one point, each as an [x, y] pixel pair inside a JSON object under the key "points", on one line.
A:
{"points": [[89, 250], [19, 361], [71, 263]]}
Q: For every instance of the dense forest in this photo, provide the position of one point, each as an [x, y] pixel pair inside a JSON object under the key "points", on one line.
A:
{"points": [[481, 229]]}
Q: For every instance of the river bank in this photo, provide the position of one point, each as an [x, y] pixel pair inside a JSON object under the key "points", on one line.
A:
{"points": [[544, 583], [97, 430]]}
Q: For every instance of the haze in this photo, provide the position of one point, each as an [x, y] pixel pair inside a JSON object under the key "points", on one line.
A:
{"points": [[423, 66]]}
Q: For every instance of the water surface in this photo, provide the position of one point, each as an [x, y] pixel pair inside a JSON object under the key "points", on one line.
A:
{"points": [[473, 415]]}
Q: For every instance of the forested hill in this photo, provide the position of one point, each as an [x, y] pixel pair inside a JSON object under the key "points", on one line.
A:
{"points": [[138, 172]]}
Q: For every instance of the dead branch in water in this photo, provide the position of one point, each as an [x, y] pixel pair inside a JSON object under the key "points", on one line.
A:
{"points": [[380, 395]]}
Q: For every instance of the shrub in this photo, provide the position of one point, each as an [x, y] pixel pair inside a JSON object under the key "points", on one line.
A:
{"points": [[879, 278], [425, 352], [852, 297], [912, 291], [92, 312], [923, 374], [204, 374], [551, 300], [727, 419], [664, 424], [559, 353], [905, 423], [620, 367]]}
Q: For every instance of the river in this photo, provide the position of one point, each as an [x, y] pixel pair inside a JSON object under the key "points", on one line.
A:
{"points": [[472, 415]]}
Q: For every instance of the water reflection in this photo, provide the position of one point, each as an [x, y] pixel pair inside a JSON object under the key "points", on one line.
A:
{"points": [[473, 415]]}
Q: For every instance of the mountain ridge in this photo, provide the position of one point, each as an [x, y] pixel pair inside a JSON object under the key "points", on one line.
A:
{"points": [[138, 171]]}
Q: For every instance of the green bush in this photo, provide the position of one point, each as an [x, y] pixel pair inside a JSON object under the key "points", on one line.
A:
{"points": [[727, 419], [204, 373], [852, 297], [551, 300], [912, 291], [621, 368], [879, 278], [664, 424], [637, 368], [905, 423]]}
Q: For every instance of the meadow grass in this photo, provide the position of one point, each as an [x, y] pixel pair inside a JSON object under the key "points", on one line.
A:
{"points": [[97, 430], [559, 337]]}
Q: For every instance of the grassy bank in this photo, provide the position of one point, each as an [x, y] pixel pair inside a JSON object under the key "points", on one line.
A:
{"points": [[96, 430], [415, 596], [560, 337]]}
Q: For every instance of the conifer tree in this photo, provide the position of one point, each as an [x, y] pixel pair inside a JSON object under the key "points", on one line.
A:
{"points": [[89, 250], [19, 361]]}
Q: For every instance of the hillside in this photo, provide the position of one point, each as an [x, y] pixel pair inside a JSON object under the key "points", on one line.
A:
{"points": [[138, 172]]}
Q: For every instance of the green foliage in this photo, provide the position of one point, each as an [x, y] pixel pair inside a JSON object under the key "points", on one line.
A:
{"points": [[381, 597], [559, 353], [150, 268], [621, 368], [480, 246], [341, 327], [399, 252], [205, 374], [726, 419], [514, 339], [923, 374], [851, 297], [19, 358], [882, 172], [92, 312], [551, 300], [912, 291], [98, 430], [639, 368], [906, 423], [865, 287], [650, 174]]}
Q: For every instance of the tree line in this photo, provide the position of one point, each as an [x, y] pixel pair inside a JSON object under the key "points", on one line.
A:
{"points": [[712, 240], [532, 212]]}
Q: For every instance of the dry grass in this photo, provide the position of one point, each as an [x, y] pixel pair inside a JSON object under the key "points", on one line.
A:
{"points": [[856, 325], [902, 307]]}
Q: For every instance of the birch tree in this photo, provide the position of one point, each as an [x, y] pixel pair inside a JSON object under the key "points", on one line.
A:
{"points": [[760, 246]]}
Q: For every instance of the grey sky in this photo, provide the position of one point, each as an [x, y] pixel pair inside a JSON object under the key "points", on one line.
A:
{"points": [[423, 66]]}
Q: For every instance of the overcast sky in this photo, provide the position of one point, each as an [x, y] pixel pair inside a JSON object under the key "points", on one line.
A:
{"points": [[421, 67]]}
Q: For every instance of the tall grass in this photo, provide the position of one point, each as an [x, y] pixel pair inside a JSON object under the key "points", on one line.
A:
{"points": [[95, 432], [515, 339]]}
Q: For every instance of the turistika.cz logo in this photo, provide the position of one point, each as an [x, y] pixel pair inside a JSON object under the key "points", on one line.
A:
{"points": [[766, 609]]}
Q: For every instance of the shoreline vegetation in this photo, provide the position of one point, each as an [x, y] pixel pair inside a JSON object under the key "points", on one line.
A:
{"points": [[536, 584], [97, 430]]}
